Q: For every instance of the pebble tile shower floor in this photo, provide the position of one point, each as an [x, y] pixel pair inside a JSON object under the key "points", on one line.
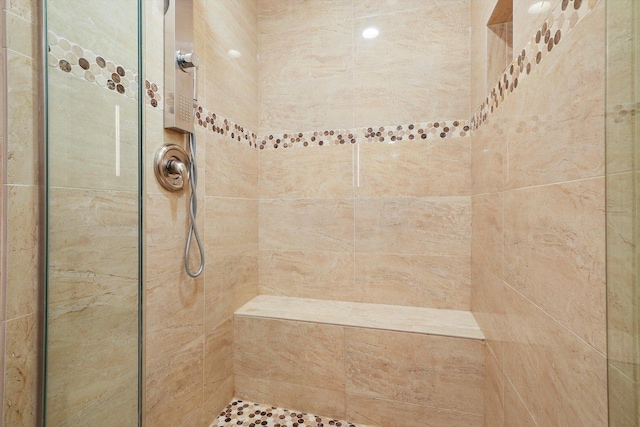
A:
{"points": [[249, 414]]}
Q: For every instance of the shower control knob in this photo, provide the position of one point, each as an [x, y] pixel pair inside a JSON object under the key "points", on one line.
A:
{"points": [[187, 60]]}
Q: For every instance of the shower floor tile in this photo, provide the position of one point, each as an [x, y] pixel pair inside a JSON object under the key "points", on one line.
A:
{"points": [[243, 413]]}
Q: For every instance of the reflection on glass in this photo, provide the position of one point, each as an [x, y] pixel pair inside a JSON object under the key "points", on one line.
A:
{"points": [[622, 213], [93, 214]]}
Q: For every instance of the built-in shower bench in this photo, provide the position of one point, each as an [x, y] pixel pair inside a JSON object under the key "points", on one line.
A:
{"points": [[363, 362]]}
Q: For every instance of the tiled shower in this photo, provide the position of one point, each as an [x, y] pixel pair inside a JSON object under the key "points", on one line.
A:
{"points": [[408, 230]]}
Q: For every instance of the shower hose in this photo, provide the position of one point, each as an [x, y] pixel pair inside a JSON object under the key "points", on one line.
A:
{"points": [[193, 210]]}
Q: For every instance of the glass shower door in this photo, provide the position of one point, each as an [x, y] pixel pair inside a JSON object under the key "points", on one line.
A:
{"points": [[93, 213]]}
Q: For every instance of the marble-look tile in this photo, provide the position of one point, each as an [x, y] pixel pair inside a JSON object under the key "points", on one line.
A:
{"points": [[620, 125], [311, 225], [621, 272], [215, 403], [231, 168], [322, 51], [555, 253], [300, 397], [305, 105], [497, 57], [174, 348], [493, 391], [230, 223], [22, 274], [93, 240], [25, 9], [295, 352], [442, 12], [21, 370], [561, 379], [397, 95], [389, 413], [276, 16], [487, 229], [405, 39], [620, 41], [440, 372], [87, 153], [218, 365], [166, 227], [231, 282], [320, 275], [488, 156], [21, 35], [92, 349], [624, 410], [487, 305], [22, 126], [87, 23], [515, 413], [301, 174], [408, 169], [426, 226], [450, 323], [414, 280]]}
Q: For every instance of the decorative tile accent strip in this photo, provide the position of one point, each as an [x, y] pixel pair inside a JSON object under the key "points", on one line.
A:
{"points": [[561, 21], [407, 132], [83, 63], [240, 413]]}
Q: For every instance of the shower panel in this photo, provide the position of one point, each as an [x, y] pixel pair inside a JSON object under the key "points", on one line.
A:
{"points": [[175, 167]]}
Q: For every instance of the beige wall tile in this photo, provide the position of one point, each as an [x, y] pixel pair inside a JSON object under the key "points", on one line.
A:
{"points": [[216, 402], [388, 413], [303, 173], [515, 412], [621, 251], [21, 120], [119, 406], [498, 58], [231, 169], [92, 349], [329, 403], [488, 156], [298, 352], [174, 349], [230, 223], [487, 245], [312, 225], [385, 96], [493, 390], [22, 274], [218, 366], [623, 399], [322, 51], [426, 226], [408, 367], [232, 280], [525, 24], [25, 9], [276, 16], [442, 12], [562, 380], [20, 35], [554, 253], [409, 169], [415, 280], [320, 275], [21, 370], [306, 105]]}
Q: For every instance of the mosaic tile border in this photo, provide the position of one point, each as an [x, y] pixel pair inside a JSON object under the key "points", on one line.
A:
{"points": [[250, 414], [560, 22], [85, 64], [390, 134]]}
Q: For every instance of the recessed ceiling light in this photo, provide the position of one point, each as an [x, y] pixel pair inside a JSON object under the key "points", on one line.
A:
{"points": [[539, 7], [234, 53], [370, 33]]}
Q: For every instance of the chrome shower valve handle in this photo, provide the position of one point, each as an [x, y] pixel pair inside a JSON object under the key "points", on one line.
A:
{"points": [[171, 166]]}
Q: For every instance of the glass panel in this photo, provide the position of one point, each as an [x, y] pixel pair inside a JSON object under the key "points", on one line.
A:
{"points": [[622, 211], [93, 193]]}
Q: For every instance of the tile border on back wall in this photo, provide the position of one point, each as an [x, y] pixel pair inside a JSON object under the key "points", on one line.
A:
{"points": [[562, 19]]}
